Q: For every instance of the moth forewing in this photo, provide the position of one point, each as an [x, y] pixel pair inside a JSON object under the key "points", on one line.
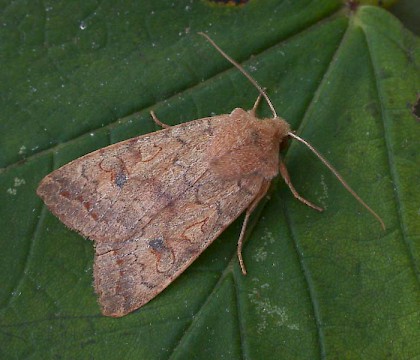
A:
{"points": [[153, 203]]}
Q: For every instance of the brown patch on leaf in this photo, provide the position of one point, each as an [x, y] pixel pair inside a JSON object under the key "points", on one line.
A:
{"points": [[415, 109], [229, 2]]}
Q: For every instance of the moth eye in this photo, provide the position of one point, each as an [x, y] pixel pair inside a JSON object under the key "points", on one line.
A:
{"points": [[284, 144]]}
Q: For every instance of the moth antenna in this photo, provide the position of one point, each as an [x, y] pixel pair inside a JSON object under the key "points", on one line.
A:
{"points": [[242, 70], [339, 177]]}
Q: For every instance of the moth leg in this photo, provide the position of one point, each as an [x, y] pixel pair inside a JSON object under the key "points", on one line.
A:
{"points": [[257, 102], [158, 122], [285, 174], [262, 192]]}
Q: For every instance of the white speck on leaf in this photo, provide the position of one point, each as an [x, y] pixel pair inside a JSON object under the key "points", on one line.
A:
{"points": [[324, 197], [260, 254], [293, 326], [22, 150], [19, 182], [269, 313], [268, 237]]}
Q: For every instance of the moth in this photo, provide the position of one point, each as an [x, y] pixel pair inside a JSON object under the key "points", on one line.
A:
{"points": [[152, 204]]}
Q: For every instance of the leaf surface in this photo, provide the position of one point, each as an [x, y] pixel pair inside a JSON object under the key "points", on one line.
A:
{"points": [[77, 76]]}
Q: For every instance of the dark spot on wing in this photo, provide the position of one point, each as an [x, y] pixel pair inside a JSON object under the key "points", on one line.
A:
{"points": [[157, 245], [120, 179]]}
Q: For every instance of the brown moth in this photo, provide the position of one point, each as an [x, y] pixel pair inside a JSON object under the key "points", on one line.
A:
{"points": [[154, 203]]}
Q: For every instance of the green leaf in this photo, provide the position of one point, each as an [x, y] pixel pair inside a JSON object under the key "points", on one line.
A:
{"points": [[77, 76]]}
